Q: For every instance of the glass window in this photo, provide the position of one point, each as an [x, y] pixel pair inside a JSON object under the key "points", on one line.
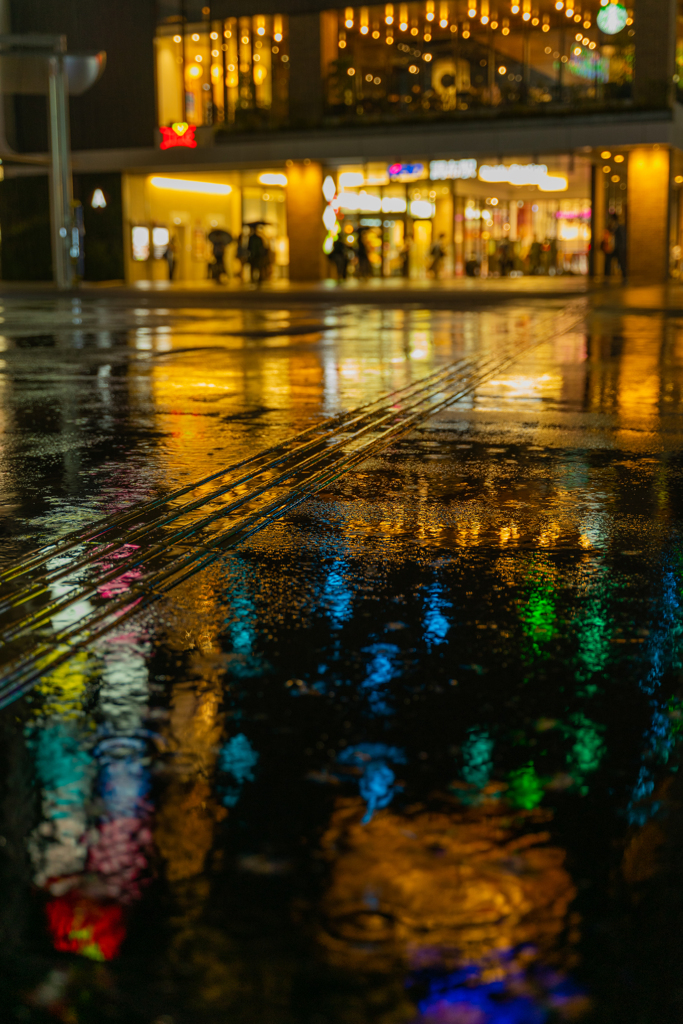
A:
{"points": [[433, 58], [230, 74]]}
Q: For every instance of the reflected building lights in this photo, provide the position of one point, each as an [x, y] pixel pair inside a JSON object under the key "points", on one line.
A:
{"points": [[439, 889], [380, 670], [377, 783], [435, 623], [237, 759]]}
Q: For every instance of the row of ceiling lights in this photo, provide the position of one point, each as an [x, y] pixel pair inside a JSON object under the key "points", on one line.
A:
{"points": [[486, 17]]}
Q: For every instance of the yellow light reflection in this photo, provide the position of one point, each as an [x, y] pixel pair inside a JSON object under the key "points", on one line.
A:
{"points": [[438, 888]]}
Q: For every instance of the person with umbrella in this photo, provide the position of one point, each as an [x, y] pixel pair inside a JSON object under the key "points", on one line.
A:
{"points": [[219, 240], [259, 256]]}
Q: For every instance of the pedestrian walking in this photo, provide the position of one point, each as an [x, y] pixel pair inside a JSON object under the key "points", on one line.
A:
{"points": [[437, 253], [170, 256], [339, 257], [608, 246], [257, 256], [219, 241]]}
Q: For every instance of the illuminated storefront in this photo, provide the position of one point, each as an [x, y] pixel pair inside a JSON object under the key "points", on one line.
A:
{"points": [[488, 218], [236, 93], [483, 217], [171, 218], [414, 68]]}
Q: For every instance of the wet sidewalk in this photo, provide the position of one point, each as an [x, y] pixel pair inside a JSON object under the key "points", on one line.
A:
{"points": [[408, 754], [461, 293]]}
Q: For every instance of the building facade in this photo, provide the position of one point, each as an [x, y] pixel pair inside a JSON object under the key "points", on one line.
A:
{"points": [[438, 137]]}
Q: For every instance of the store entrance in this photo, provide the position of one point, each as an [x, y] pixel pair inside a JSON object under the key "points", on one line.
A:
{"points": [[206, 227], [501, 237], [471, 217]]}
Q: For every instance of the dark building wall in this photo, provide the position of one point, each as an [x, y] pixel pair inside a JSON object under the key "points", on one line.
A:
{"points": [[103, 243], [242, 8], [306, 96], [119, 111], [25, 253]]}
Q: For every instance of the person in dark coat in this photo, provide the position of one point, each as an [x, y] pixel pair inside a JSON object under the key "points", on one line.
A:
{"points": [[258, 256], [340, 257], [219, 240], [620, 248]]}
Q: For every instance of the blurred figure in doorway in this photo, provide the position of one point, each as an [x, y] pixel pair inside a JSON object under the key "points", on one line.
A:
{"points": [[535, 256], [472, 266], [505, 260], [170, 255], [437, 253], [608, 245], [620, 247]]}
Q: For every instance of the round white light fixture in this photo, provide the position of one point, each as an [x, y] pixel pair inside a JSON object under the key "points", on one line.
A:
{"points": [[612, 19]]}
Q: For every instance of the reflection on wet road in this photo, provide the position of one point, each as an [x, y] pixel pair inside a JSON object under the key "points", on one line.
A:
{"points": [[407, 755]]}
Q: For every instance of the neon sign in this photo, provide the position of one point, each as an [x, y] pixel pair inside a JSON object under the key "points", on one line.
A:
{"points": [[179, 134], [406, 172]]}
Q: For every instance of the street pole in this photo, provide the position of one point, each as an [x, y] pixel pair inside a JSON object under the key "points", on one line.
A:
{"points": [[28, 57], [60, 168]]}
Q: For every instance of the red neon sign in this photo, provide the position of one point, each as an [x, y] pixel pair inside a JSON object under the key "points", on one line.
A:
{"points": [[179, 134]]}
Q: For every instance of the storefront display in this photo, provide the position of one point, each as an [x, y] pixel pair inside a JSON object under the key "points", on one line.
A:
{"points": [[463, 217], [422, 219], [425, 60], [206, 226], [231, 73]]}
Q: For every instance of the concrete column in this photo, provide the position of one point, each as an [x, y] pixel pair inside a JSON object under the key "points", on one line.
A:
{"points": [[305, 221], [306, 92], [655, 24], [597, 257], [647, 223], [458, 234]]}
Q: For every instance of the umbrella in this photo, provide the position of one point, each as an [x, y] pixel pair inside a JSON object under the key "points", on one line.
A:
{"points": [[256, 224], [219, 237]]}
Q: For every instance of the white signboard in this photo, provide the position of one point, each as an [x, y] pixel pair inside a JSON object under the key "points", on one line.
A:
{"points": [[523, 174], [446, 170]]}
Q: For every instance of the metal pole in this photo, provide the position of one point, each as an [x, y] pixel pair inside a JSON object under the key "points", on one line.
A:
{"points": [[60, 170]]}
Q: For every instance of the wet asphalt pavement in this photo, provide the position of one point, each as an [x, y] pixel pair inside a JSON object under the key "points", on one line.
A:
{"points": [[409, 753]]}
